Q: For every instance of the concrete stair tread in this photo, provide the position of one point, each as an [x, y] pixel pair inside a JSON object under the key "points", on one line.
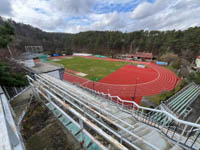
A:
{"points": [[175, 147], [130, 120], [155, 139]]}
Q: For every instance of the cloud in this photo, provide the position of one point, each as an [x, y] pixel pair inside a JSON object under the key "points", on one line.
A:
{"points": [[72, 7], [124, 15], [102, 22], [5, 7], [166, 16], [160, 15], [147, 9]]}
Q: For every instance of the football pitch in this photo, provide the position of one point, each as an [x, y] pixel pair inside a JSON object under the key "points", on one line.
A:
{"points": [[95, 68]]}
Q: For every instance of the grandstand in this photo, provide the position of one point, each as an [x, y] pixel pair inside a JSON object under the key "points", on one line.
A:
{"points": [[178, 105], [129, 126], [75, 128], [100, 120]]}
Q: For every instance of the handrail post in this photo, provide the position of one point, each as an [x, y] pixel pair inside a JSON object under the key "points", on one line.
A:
{"points": [[82, 133], [180, 137]]}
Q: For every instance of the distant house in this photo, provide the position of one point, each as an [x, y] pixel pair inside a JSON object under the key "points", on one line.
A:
{"points": [[142, 55], [138, 55]]}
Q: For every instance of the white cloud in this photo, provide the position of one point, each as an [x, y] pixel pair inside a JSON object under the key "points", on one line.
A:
{"points": [[166, 16], [147, 9], [161, 15], [57, 15], [72, 7]]}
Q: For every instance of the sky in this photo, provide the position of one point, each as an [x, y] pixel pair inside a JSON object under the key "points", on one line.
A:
{"points": [[73, 16]]}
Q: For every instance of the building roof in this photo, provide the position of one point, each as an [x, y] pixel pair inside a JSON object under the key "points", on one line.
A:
{"points": [[41, 67], [143, 55]]}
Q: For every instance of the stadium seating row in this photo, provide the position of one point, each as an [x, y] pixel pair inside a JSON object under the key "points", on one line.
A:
{"points": [[74, 129], [178, 105]]}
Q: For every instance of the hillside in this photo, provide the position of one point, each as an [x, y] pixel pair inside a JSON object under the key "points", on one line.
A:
{"points": [[184, 43]]}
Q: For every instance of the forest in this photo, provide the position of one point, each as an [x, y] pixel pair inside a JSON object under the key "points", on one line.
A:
{"points": [[185, 43]]}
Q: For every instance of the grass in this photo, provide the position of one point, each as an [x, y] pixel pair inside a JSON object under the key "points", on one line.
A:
{"points": [[95, 68], [165, 95]]}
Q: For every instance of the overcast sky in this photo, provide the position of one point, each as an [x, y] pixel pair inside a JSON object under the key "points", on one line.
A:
{"points": [[124, 15]]}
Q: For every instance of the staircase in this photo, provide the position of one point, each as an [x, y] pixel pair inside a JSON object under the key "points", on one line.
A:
{"points": [[131, 127]]}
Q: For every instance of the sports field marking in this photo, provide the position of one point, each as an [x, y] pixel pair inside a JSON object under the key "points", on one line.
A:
{"points": [[81, 74]]}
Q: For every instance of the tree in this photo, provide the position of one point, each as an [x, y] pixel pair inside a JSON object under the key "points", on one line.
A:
{"points": [[6, 32], [8, 75], [172, 59], [9, 78]]}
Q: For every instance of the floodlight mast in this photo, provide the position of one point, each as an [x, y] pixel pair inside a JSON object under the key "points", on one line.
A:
{"points": [[135, 88]]}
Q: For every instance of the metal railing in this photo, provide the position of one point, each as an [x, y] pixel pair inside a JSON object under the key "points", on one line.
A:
{"points": [[56, 95], [10, 137], [189, 139], [182, 132]]}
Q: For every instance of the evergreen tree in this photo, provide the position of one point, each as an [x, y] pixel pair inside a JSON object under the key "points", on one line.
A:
{"points": [[9, 77]]}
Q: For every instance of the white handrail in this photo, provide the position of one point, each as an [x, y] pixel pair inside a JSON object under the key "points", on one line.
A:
{"points": [[150, 109], [138, 113]]}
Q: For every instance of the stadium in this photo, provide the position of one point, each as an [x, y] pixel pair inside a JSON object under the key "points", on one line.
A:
{"points": [[130, 80], [100, 75]]}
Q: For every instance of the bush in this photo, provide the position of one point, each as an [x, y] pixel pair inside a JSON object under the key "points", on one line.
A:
{"points": [[194, 77], [10, 78], [172, 59], [68, 52]]}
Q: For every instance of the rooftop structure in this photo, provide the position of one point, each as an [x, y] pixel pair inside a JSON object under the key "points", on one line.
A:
{"points": [[55, 70], [142, 55], [138, 55]]}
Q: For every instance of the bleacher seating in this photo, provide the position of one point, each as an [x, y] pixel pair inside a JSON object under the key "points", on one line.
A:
{"points": [[179, 105], [74, 129]]}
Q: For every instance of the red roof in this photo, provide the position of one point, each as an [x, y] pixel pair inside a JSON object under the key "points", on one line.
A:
{"points": [[143, 55]]}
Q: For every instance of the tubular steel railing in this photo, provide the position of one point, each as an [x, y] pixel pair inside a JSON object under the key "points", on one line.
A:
{"points": [[189, 139], [182, 132]]}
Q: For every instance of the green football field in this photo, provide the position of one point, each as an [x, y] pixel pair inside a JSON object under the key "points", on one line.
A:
{"points": [[95, 68]]}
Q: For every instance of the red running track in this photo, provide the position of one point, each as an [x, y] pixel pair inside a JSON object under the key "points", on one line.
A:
{"points": [[130, 74], [152, 82]]}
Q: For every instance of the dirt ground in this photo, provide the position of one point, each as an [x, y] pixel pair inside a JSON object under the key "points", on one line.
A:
{"points": [[42, 131]]}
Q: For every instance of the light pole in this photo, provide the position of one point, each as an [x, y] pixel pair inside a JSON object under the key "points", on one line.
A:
{"points": [[135, 88], [92, 70]]}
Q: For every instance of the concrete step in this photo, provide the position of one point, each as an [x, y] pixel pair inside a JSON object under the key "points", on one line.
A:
{"points": [[122, 115], [144, 132], [140, 131], [132, 138], [121, 132], [155, 139], [139, 128], [176, 147], [130, 120]]}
